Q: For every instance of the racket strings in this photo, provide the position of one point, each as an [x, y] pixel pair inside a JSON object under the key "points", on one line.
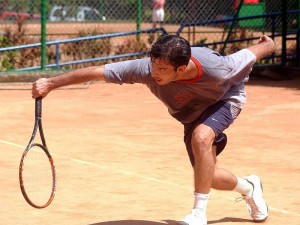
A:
{"points": [[38, 176]]}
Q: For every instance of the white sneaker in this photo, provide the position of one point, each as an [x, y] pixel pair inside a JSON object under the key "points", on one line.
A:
{"points": [[194, 218], [256, 205]]}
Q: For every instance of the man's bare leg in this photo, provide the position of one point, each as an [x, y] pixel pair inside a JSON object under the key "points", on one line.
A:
{"points": [[204, 167]]}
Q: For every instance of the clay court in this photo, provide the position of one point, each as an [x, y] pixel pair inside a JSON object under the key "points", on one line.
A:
{"points": [[120, 158]]}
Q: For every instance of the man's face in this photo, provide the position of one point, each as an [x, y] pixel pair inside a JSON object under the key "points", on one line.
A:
{"points": [[162, 72]]}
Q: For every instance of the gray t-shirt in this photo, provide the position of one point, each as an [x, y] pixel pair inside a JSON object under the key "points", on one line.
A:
{"points": [[220, 79]]}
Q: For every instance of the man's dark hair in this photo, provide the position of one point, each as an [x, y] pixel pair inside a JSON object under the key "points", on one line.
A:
{"points": [[173, 49]]}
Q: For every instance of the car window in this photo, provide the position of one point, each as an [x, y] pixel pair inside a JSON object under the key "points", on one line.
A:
{"points": [[57, 13]]}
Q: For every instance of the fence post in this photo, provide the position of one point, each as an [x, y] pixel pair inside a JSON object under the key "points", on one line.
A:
{"points": [[298, 14], [139, 17], [43, 34], [284, 31]]}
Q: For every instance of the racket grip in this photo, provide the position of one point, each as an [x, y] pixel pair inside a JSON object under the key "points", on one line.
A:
{"points": [[38, 107]]}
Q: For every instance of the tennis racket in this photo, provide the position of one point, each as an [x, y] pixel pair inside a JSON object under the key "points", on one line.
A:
{"points": [[37, 172]]}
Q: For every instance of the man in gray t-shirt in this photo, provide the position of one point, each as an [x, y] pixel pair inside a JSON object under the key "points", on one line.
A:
{"points": [[218, 79], [201, 89]]}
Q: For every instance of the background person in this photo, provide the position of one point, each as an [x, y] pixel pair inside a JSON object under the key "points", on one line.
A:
{"points": [[158, 12]]}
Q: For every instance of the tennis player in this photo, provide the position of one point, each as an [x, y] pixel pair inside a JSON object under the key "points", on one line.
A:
{"points": [[202, 90]]}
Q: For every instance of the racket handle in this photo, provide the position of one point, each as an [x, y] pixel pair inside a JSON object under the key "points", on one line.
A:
{"points": [[38, 107]]}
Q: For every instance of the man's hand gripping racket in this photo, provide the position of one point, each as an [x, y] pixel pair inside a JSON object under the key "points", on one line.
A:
{"points": [[37, 172]]}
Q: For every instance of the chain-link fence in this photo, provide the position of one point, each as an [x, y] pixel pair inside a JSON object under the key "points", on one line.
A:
{"points": [[21, 24]]}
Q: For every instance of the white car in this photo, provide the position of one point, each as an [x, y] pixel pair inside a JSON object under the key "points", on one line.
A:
{"points": [[80, 13]]}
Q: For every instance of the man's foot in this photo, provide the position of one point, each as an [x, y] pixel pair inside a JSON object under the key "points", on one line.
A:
{"points": [[194, 218], [256, 205]]}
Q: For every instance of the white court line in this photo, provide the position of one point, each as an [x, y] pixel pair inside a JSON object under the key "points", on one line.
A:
{"points": [[128, 173], [13, 144]]}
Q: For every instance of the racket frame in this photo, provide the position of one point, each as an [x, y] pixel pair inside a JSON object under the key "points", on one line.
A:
{"points": [[43, 146]]}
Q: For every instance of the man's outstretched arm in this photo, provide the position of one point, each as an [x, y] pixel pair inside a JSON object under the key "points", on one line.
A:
{"points": [[43, 86], [265, 46]]}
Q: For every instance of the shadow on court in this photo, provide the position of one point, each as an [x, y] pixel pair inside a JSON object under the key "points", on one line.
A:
{"points": [[230, 219], [136, 222], [171, 222]]}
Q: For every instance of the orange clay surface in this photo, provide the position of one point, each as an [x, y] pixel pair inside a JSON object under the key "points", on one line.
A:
{"points": [[120, 157]]}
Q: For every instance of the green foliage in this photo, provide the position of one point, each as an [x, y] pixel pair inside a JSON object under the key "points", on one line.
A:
{"points": [[239, 33], [131, 45], [201, 41], [7, 60], [6, 65], [51, 54], [4, 42], [86, 49], [15, 34]]}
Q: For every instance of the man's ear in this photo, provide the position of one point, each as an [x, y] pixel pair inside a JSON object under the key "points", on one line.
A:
{"points": [[181, 69]]}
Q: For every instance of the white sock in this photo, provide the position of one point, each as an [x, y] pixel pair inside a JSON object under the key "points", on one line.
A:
{"points": [[243, 187], [200, 203]]}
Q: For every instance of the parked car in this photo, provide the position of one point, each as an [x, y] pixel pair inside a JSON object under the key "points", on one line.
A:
{"points": [[80, 13], [12, 15]]}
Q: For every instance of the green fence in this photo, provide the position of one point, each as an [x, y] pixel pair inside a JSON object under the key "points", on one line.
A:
{"points": [[63, 19]]}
